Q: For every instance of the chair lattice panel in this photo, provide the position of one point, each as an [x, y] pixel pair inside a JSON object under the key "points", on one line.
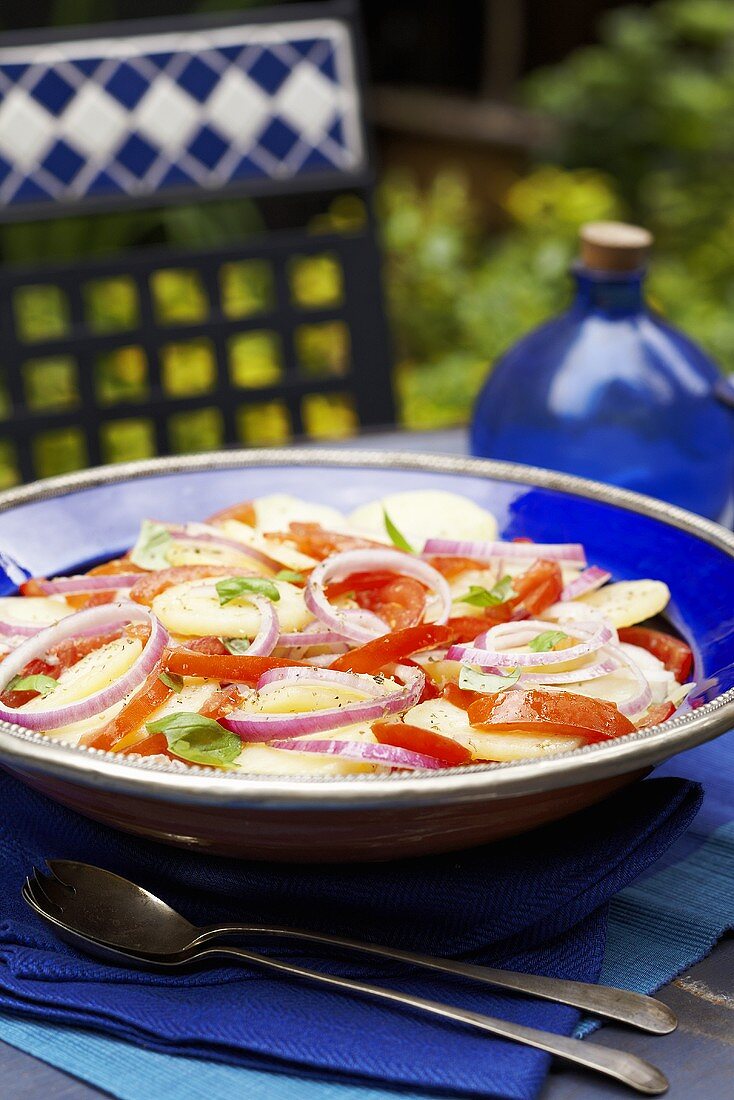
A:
{"points": [[168, 352]]}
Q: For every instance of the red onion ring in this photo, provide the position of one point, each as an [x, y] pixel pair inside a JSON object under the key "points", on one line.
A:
{"points": [[93, 619], [15, 629], [266, 639], [340, 566], [637, 703], [573, 676], [388, 755], [482, 655], [193, 533], [267, 727], [571, 553], [73, 585], [352, 681], [588, 581]]}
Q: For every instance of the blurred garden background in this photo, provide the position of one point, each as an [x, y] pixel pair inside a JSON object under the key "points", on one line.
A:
{"points": [[501, 127]]}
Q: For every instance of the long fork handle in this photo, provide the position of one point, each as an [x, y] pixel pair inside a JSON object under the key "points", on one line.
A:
{"points": [[634, 1009], [624, 1067]]}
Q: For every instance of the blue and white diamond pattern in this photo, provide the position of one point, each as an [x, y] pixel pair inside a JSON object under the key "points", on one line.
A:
{"points": [[137, 115]]}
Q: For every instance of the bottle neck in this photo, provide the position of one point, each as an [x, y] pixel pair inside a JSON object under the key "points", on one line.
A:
{"points": [[615, 293]]}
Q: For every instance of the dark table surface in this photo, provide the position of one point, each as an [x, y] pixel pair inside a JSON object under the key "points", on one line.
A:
{"points": [[698, 1058]]}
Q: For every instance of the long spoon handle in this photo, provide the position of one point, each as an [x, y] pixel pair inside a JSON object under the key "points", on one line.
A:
{"points": [[628, 1068], [616, 1004]]}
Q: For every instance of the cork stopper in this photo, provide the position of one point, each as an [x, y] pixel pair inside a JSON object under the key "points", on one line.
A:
{"points": [[614, 246]]}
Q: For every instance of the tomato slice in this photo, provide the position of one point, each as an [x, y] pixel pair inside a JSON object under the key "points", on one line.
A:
{"points": [[430, 689], [122, 731], [244, 512], [359, 582], [152, 584], [83, 600], [155, 744], [32, 587], [660, 712], [317, 542], [464, 628], [400, 601], [535, 711], [536, 589], [114, 567], [221, 702], [675, 654], [187, 661], [208, 644], [450, 568], [460, 697], [388, 648], [404, 736]]}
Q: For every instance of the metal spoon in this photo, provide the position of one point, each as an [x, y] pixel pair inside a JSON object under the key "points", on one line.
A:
{"points": [[110, 909], [623, 1066]]}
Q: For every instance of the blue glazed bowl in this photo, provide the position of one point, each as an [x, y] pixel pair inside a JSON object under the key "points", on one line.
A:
{"points": [[70, 522]]}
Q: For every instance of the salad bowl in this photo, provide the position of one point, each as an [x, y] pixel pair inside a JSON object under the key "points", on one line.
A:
{"points": [[69, 523]]}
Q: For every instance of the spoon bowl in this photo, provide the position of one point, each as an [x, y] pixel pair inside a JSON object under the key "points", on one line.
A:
{"points": [[110, 909]]}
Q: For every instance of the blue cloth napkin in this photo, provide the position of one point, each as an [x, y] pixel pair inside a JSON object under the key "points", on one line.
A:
{"points": [[534, 903]]}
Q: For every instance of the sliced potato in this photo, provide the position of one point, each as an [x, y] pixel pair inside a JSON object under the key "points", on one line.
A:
{"points": [[262, 759], [622, 684], [424, 514], [189, 699], [628, 602], [72, 733], [93, 673], [443, 717], [193, 609], [33, 610], [293, 697], [190, 553], [281, 551], [275, 512]]}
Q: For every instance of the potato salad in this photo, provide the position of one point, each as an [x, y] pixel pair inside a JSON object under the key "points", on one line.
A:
{"points": [[281, 636]]}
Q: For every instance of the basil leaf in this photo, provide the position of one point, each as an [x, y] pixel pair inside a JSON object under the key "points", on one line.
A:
{"points": [[151, 549], [547, 640], [175, 683], [396, 537], [473, 679], [198, 739], [232, 587], [236, 646], [44, 685], [290, 575], [488, 597]]}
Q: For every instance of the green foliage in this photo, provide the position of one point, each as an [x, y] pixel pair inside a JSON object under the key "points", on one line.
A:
{"points": [[458, 299], [645, 130], [653, 106]]}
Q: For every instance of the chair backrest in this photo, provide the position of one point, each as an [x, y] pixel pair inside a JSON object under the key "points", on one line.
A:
{"points": [[282, 335]]}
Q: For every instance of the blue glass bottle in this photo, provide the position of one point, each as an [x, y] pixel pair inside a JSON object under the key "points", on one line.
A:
{"points": [[609, 391]]}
